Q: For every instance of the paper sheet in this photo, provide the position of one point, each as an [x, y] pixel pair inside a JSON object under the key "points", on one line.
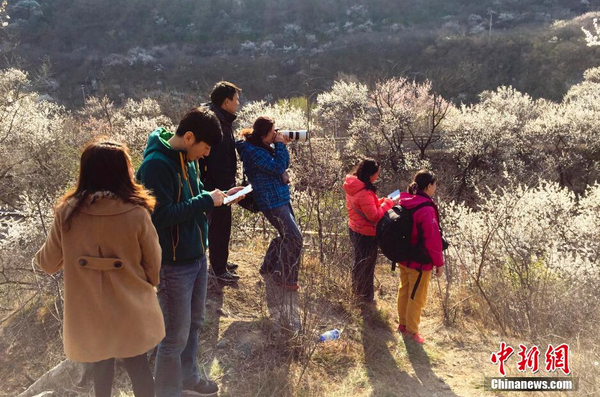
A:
{"points": [[242, 192]]}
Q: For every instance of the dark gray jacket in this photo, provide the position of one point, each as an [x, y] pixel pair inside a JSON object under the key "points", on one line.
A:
{"points": [[218, 169]]}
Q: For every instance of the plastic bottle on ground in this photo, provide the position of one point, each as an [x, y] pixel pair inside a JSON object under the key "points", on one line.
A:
{"points": [[330, 335]]}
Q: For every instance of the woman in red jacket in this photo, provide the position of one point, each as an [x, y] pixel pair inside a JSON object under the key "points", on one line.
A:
{"points": [[365, 209], [414, 276]]}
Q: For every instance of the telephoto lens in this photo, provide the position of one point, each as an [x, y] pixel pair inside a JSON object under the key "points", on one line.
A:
{"points": [[296, 135]]}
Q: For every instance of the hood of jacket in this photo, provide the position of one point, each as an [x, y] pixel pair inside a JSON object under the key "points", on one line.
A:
{"points": [[353, 185], [158, 141], [103, 204], [410, 201]]}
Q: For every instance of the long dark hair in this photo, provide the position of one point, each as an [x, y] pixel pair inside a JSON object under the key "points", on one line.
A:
{"points": [[105, 167], [261, 128], [421, 180], [365, 170]]}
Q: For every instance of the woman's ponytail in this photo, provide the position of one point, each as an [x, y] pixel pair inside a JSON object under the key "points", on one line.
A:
{"points": [[245, 133], [421, 180], [413, 188]]}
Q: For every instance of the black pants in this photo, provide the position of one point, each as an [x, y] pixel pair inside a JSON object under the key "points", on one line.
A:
{"points": [[363, 270], [219, 232], [138, 370]]}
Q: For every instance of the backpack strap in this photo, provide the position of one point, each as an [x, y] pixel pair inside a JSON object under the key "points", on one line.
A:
{"points": [[418, 207], [363, 215], [414, 291]]}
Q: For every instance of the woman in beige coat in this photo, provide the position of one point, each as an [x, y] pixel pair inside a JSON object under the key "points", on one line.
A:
{"points": [[103, 238]]}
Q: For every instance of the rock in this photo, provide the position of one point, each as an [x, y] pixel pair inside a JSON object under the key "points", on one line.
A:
{"points": [[67, 375], [249, 343], [47, 393], [222, 344]]}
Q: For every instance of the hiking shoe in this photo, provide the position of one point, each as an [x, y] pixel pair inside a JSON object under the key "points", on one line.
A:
{"points": [[206, 388], [417, 338], [231, 267], [402, 329], [227, 277]]}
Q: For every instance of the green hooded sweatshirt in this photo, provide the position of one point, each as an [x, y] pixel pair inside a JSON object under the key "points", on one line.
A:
{"points": [[181, 202]]}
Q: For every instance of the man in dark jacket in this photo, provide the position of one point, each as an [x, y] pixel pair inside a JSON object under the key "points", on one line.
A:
{"points": [[219, 169]]}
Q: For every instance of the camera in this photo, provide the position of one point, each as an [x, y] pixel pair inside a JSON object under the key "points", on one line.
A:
{"points": [[297, 135]]}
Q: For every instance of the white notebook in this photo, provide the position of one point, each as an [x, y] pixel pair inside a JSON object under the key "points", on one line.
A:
{"points": [[242, 192]]}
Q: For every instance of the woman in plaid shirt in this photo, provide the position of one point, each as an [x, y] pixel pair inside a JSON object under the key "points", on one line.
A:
{"points": [[266, 159]]}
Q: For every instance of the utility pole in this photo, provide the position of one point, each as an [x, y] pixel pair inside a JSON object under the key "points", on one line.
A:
{"points": [[490, 33], [83, 93]]}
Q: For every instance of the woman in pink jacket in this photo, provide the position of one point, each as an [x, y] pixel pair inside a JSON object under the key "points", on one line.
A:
{"points": [[425, 236], [365, 209]]}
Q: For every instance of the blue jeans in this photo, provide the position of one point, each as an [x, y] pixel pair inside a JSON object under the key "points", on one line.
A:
{"points": [[182, 298], [284, 252]]}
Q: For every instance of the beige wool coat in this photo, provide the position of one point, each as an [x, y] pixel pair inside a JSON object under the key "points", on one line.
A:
{"points": [[111, 260]]}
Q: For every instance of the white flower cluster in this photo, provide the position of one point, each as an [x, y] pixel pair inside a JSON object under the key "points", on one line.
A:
{"points": [[590, 38], [130, 123], [524, 245]]}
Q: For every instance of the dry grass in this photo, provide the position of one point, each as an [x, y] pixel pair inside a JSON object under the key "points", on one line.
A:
{"points": [[249, 353]]}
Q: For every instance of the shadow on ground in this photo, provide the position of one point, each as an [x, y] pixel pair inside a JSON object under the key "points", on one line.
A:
{"points": [[385, 375]]}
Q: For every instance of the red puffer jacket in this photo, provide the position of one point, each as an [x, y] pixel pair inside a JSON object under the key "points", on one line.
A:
{"points": [[427, 217], [365, 201]]}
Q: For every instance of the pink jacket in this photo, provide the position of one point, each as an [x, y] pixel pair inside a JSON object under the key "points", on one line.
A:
{"points": [[428, 219], [365, 201]]}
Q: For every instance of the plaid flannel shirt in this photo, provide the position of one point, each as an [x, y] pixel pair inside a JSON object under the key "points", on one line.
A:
{"points": [[264, 172]]}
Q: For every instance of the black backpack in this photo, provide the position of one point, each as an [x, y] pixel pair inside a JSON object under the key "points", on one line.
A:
{"points": [[393, 235]]}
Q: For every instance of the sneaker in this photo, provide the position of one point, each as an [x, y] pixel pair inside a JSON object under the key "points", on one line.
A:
{"points": [[227, 277], [417, 338], [205, 388], [403, 330], [231, 267]]}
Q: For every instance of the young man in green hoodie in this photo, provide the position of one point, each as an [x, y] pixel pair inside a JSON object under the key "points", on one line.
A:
{"points": [[170, 170]]}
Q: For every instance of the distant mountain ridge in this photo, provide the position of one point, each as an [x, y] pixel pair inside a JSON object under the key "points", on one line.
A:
{"points": [[125, 48]]}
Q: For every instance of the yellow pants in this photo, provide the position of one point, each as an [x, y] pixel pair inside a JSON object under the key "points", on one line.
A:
{"points": [[411, 301]]}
